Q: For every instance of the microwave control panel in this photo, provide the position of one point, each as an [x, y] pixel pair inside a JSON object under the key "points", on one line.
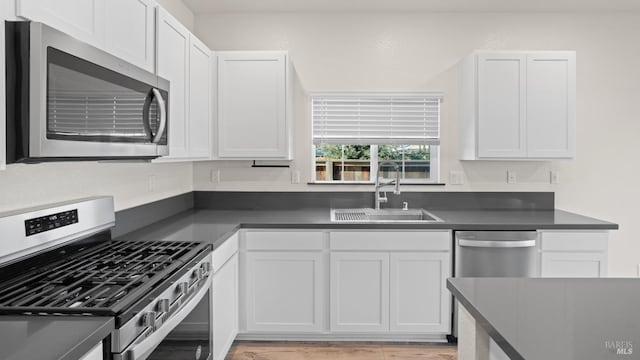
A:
{"points": [[50, 222]]}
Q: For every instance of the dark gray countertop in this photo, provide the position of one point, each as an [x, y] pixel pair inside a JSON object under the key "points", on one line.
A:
{"points": [[69, 337], [215, 226], [542, 319], [51, 337]]}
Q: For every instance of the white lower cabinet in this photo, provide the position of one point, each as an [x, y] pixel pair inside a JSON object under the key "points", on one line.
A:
{"points": [[94, 354], [390, 282], [419, 300], [359, 292], [573, 253], [345, 284], [284, 291], [225, 308], [224, 304]]}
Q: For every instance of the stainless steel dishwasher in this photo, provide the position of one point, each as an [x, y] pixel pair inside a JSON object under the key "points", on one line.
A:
{"points": [[494, 254]]}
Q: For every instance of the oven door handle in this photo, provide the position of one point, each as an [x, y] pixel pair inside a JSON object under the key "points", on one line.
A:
{"points": [[141, 349]]}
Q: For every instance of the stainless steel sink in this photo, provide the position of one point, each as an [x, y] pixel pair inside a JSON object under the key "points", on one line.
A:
{"points": [[367, 215]]}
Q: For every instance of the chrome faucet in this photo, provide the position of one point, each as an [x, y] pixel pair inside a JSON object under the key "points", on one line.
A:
{"points": [[381, 196]]}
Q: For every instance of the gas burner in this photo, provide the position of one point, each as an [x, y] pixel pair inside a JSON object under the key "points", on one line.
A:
{"points": [[97, 280]]}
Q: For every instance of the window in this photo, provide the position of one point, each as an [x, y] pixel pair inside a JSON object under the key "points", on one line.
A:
{"points": [[354, 133]]}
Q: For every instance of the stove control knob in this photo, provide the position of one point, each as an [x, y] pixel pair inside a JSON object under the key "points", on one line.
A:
{"points": [[206, 267], [198, 273], [183, 287], [149, 319], [164, 305]]}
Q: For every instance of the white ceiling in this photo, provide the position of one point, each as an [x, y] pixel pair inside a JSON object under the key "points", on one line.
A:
{"points": [[229, 6]]}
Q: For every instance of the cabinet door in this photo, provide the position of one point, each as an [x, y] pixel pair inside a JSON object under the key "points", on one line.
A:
{"points": [[173, 65], [420, 301], [252, 115], [569, 264], [359, 292], [284, 291], [94, 354], [551, 97], [199, 99], [82, 19], [501, 105], [130, 31], [225, 308]]}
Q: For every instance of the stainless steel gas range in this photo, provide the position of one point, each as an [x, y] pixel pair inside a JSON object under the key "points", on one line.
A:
{"points": [[60, 260]]}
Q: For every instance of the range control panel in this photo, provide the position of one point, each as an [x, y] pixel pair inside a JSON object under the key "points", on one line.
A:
{"points": [[50, 222]]}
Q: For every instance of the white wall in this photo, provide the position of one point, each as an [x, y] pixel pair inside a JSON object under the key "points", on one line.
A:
{"points": [[401, 51], [131, 184], [180, 11]]}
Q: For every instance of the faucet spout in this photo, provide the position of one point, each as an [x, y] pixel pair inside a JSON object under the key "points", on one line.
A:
{"points": [[382, 198]]}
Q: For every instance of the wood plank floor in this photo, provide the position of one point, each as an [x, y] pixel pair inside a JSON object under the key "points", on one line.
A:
{"points": [[250, 350]]}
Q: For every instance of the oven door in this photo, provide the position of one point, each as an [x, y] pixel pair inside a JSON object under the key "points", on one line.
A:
{"points": [[84, 102], [186, 335]]}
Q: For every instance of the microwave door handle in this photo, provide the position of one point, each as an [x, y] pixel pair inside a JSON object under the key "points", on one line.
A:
{"points": [[163, 116], [146, 120], [142, 349]]}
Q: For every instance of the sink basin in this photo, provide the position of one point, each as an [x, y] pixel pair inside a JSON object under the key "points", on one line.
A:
{"points": [[367, 215]]}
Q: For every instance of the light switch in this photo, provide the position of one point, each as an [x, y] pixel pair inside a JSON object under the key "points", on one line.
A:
{"points": [[214, 176], [554, 177]]}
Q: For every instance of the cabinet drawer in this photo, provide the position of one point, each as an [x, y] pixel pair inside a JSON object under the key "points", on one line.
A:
{"points": [[391, 240], [574, 240], [225, 252], [284, 240]]}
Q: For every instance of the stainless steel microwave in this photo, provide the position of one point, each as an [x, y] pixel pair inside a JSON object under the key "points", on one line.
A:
{"points": [[67, 100]]}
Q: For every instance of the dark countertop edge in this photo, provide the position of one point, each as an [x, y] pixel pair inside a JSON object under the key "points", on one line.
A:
{"points": [[484, 323], [394, 226], [428, 226], [90, 341], [222, 238]]}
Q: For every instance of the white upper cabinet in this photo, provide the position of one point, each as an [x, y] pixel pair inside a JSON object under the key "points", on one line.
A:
{"points": [[82, 19], [173, 65], [124, 28], [130, 31], [187, 63], [551, 104], [517, 105], [254, 101], [501, 105], [200, 99]]}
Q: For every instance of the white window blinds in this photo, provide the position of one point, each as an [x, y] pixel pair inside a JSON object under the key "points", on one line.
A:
{"points": [[357, 118]]}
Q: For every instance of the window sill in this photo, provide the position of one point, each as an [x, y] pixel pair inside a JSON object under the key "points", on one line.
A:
{"points": [[369, 183]]}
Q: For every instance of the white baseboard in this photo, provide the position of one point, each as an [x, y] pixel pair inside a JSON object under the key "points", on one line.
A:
{"points": [[342, 337]]}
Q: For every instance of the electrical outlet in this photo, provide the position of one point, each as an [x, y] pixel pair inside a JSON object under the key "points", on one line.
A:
{"points": [[152, 183], [295, 176], [554, 177], [512, 177], [456, 178], [214, 176]]}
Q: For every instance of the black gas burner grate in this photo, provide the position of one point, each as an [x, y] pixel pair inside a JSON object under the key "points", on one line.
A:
{"points": [[101, 280]]}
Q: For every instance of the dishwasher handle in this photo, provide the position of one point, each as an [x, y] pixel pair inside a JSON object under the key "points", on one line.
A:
{"points": [[496, 244]]}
